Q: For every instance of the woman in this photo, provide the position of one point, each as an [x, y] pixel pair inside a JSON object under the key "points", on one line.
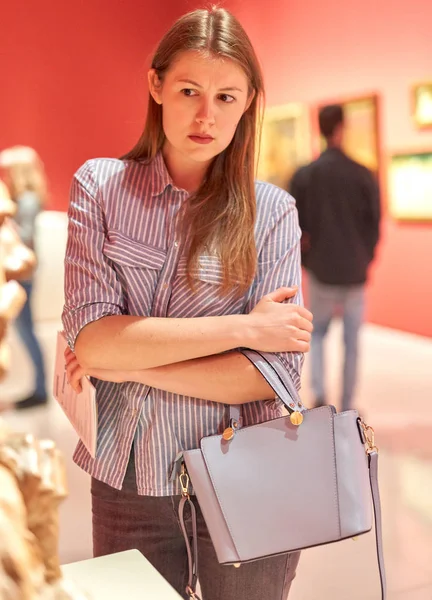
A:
{"points": [[175, 258], [24, 175]]}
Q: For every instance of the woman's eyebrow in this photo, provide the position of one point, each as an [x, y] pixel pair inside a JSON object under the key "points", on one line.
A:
{"points": [[194, 83]]}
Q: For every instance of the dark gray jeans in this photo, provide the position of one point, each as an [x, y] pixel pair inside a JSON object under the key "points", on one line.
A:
{"points": [[123, 520]]}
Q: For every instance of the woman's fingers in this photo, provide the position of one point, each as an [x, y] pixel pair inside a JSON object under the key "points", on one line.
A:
{"points": [[303, 335], [74, 373], [305, 313], [302, 346], [305, 324], [71, 366], [69, 356]]}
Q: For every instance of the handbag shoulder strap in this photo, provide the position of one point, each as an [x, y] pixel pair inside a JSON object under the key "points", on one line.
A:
{"points": [[373, 478]]}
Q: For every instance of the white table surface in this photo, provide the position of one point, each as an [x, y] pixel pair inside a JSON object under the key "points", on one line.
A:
{"points": [[125, 575]]}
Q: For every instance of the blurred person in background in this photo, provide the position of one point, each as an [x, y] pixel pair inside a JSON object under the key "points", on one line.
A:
{"points": [[23, 172], [16, 262], [6, 210], [339, 211]]}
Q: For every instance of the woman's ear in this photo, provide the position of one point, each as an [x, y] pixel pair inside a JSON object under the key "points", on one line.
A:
{"points": [[155, 86]]}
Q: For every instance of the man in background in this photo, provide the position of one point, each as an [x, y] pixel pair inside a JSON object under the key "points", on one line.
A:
{"points": [[339, 212]]}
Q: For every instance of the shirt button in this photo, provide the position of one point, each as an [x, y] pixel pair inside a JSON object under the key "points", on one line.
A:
{"points": [[165, 286], [176, 244]]}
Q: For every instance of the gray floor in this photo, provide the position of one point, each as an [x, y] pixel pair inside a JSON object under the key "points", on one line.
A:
{"points": [[395, 395]]}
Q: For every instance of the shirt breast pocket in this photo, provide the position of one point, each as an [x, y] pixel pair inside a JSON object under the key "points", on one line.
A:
{"points": [[206, 299], [138, 267]]}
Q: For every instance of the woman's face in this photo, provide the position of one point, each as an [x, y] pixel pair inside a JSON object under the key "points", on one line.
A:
{"points": [[203, 99]]}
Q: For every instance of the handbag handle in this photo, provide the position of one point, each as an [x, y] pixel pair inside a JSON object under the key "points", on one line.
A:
{"points": [[277, 377]]}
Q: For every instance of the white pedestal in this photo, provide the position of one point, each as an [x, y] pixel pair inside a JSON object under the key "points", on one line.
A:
{"points": [[127, 575]]}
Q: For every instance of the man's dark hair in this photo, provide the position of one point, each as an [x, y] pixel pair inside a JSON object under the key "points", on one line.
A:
{"points": [[329, 118]]}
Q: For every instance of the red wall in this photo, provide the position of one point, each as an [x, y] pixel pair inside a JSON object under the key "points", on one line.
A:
{"points": [[73, 86], [73, 79], [313, 51]]}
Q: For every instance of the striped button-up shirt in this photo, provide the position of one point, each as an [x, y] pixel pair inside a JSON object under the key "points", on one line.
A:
{"points": [[123, 258]]}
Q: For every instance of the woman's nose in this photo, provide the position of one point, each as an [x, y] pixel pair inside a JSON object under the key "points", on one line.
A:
{"points": [[206, 114]]}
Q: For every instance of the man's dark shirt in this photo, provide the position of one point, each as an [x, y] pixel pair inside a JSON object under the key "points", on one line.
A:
{"points": [[339, 212]]}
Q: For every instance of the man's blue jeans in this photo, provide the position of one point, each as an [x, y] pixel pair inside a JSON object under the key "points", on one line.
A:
{"points": [[326, 301]]}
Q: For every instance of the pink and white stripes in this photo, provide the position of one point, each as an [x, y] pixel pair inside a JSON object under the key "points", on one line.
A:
{"points": [[123, 257]]}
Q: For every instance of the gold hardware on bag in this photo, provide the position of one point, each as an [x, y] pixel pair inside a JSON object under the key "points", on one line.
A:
{"points": [[228, 434], [296, 418], [369, 435], [184, 481], [191, 593], [237, 565], [355, 538]]}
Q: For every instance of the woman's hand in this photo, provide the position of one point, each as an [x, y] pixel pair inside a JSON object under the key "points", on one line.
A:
{"points": [[280, 327], [75, 372]]}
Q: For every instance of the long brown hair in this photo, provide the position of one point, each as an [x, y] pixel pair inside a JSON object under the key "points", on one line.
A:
{"points": [[220, 215]]}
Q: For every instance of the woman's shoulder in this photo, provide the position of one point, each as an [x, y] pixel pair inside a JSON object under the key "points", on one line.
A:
{"points": [[110, 166], [97, 172], [271, 198]]}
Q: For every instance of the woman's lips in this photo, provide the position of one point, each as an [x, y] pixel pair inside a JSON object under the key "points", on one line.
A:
{"points": [[201, 139]]}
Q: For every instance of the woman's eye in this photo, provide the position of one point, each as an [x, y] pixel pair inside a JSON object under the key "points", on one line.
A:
{"points": [[188, 92], [227, 98]]}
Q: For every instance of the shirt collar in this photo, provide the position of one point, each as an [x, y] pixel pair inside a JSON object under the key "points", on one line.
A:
{"points": [[162, 178]]}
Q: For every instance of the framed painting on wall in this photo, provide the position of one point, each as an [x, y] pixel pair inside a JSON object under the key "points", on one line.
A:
{"points": [[285, 143], [410, 186], [361, 135], [422, 105]]}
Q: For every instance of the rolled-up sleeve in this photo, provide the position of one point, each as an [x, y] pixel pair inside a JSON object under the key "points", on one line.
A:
{"points": [[91, 288], [279, 265]]}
